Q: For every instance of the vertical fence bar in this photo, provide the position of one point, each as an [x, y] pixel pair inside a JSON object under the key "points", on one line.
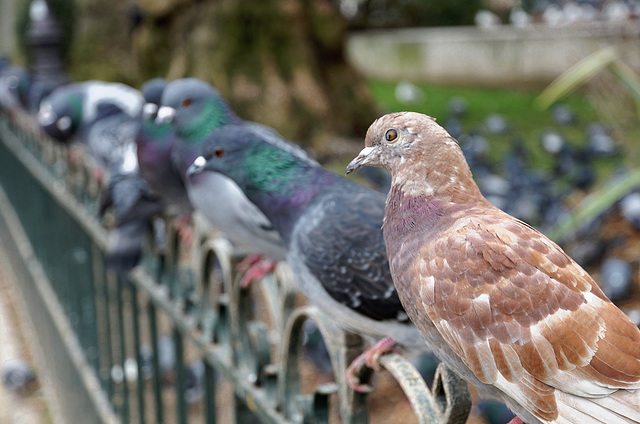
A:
{"points": [[210, 393], [122, 345], [157, 382], [108, 349], [138, 353], [180, 382]]}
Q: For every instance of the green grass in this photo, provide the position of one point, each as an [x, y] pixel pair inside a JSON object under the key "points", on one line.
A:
{"points": [[526, 121]]}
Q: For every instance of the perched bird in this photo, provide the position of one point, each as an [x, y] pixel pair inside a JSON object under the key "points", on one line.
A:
{"points": [[105, 117], [329, 225], [155, 142], [195, 109], [498, 302], [15, 83]]}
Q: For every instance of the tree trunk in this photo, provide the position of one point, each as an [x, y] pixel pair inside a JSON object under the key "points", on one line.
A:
{"points": [[278, 62]]}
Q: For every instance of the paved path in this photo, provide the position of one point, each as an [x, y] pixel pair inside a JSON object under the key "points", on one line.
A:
{"points": [[15, 409]]}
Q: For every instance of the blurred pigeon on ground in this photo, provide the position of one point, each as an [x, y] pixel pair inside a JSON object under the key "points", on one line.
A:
{"points": [[617, 278], [196, 109], [330, 226], [630, 208], [194, 381], [18, 376], [498, 302], [166, 353], [408, 93]]}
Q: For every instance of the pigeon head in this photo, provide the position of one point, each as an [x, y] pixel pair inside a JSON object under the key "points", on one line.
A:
{"points": [[225, 151], [395, 136], [248, 156], [60, 114], [152, 131], [152, 90], [195, 108], [15, 83], [420, 153]]}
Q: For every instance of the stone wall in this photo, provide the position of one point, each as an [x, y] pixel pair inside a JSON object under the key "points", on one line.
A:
{"points": [[502, 55]]}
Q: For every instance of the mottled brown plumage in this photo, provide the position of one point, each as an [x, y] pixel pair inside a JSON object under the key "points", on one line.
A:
{"points": [[498, 302]]}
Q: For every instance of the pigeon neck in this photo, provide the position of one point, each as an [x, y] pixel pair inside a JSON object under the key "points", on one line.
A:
{"points": [[404, 212], [283, 190], [214, 115], [427, 187], [440, 172]]}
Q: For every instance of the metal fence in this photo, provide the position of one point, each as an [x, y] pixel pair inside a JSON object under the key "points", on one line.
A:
{"points": [[177, 340]]}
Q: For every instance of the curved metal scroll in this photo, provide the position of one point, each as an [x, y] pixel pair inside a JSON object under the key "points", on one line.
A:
{"points": [[447, 403]]}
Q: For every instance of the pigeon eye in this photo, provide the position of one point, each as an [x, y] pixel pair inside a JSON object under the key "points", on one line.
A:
{"points": [[187, 102], [218, 152], [391, 135]]}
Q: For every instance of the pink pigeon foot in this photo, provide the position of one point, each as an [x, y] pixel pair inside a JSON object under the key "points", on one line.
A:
{"points": [[371, 357], [184, 225], [516, 420], [248, 262], [98, 174], [257, 268]]}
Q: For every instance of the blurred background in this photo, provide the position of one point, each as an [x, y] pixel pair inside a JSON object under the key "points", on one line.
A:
{"points": [[543, 95]]}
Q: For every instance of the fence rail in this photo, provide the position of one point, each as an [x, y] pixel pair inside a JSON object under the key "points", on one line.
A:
{"points": [[177, 340]]}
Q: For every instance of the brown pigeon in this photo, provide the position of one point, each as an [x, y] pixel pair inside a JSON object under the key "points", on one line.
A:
{"points": [[497, 301]]}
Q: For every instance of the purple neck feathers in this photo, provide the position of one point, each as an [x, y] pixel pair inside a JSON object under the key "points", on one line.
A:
{"points": [[406, 213]]}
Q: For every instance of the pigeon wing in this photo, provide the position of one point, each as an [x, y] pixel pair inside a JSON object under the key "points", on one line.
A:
{"points": [[522, 315], [344, 248]]}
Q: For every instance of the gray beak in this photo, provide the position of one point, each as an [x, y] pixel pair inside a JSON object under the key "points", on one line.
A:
{"points": [[165, 114], [46, 115], [149, 110], [197, 166], [360, 160]]}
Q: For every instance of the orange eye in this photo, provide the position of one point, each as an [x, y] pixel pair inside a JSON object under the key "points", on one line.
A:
{"points": [[218, 152], [391, 135], [187, 102]]}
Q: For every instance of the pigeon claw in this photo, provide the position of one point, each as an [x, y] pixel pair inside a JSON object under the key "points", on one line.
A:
{"points": [[255, 267], [370, 358], [352, 378]]}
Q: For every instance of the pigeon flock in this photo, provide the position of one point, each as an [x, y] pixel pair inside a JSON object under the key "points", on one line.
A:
{"points": [[434, 265]]}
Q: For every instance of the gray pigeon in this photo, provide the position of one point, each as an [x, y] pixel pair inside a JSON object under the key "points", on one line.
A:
{"points": [[195, 109], [15, 83], [155, 142], [105, 117], [331, 227]]}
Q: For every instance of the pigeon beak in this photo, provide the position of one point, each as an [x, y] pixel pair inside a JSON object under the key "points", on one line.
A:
{"points": [[149, 111], [197, 166], [46, 115], [165, 114], [360, 160]]}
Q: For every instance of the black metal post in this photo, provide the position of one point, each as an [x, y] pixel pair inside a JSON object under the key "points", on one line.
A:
{"points": [[44, 38]]}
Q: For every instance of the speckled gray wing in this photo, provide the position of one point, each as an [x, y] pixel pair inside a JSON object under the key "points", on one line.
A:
{"points": [[343, 247], [109, 137]]}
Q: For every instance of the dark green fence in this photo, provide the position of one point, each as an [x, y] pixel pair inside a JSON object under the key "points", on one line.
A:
{"points": [[177, 340]]}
